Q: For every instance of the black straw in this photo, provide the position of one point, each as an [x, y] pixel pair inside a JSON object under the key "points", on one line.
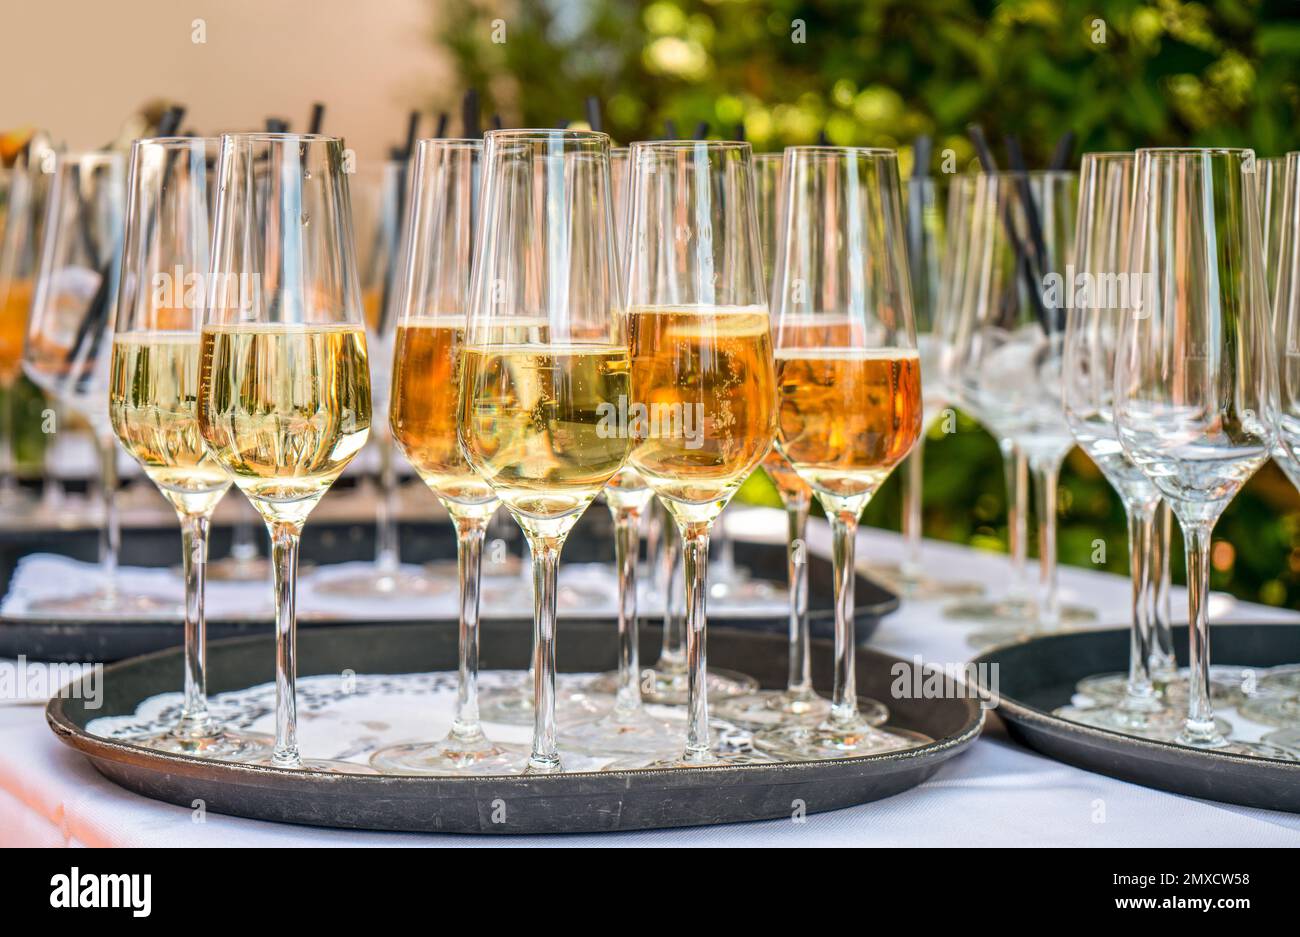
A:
{"points": [[593, 113], [496, 122], [670, 129], [921, 150], [701, 131], [317, 118], [1064, 151], [442, 125], [469, 114]]}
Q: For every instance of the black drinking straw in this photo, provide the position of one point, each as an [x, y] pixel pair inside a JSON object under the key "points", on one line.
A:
{"points": [[701, 131], [916, 208], [593, 114], [403, 158], [1063, 152], [822, 139], [495, 121], [441, 131], [469, 114], [1036, 257], [740, 131], [317, 118], [921, 150], [277, 125], [989, 165], [670, 129]]}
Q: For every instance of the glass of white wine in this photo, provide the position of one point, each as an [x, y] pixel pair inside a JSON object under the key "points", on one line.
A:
{"points": [[848, 387], [702, 387], [153, 389], [284, 383], [433, 299], [544, 366]]}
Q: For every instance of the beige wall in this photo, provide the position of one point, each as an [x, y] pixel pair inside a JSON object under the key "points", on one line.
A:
{"points": [[79, 67]]}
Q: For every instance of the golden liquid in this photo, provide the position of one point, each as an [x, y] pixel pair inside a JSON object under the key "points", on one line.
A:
{"points": [[284, 408], [847, 416], [534, 422], [152, 403], [13, 327], [423, 410], [791, 487], [711, 369], [372, 306]]}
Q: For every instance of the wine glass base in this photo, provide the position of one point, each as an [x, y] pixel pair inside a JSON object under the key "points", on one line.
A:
{"points": [[1271, 710], [742, 591], [513, 705], [107, 602], [218, 745], [829, 740], [1163, 724], [1226, 746], [669, 687], [773, 708], [451, 756], [1014, 615], [920, 587], [380, 584], [1285, 738], [670, 759], [615, 733], [326, 765]]}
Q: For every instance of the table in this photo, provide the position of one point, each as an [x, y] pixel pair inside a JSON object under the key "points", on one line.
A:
{"points": [[996, 794]]}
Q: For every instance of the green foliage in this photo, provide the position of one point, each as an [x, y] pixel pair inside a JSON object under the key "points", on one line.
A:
{"points": [[880, 72], [1119, 73]]}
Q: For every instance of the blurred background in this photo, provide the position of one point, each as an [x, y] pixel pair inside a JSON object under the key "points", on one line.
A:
{"points": [[1118, 73]]}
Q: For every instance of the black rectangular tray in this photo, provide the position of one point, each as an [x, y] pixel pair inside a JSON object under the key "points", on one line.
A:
{"points": [[1038, 675], [576, 802]]}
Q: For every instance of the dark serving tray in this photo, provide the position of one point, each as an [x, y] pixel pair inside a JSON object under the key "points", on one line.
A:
{"points": [[566, 803], [1038, 675], [104, 641]]}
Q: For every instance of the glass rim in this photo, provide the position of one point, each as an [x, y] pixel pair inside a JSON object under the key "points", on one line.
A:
{"points": [[1193, 151], [267, 136], [448, 143], [175, 140], [722, 145], [828, 150], [101, 157], [525, 134], [1109, 154]]}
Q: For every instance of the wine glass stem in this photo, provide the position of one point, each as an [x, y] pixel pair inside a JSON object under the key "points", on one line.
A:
{"points": [[695, 565], [545, 758], [1141, 524], [194, 560], [799, 682], [671, 655], [285, 538], [388, 555], [912, 483], [470, 533], [8, 482], [844, 703], [1015, 467], [110, 532], [1163, 660], [1046, 474], [627, 540], [1200, 713]]}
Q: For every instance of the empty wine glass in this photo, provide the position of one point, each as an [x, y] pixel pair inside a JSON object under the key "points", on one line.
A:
{"points": [[70, 338], [153, 388], [1010, 342], [1103, 295], [379, 195], [1196, 382], [284, 389]]}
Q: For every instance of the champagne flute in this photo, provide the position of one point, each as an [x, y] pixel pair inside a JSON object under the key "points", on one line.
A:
{"points": [[1196, 381], [284, 384], [849, 386], [153, 384], [70, 336], [23, 194], [702, 371], [432, 303], [544, 366], [1019, 245], [379, 194], [1093, 325]]}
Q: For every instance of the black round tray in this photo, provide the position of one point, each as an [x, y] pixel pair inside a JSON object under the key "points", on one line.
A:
{"points": [[1038, 675], [107, 640], [567, 803]]}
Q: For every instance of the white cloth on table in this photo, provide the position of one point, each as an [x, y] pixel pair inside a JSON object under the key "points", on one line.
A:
{"points": [[997, 793]]}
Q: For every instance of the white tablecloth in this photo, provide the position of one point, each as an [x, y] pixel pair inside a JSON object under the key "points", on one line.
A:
{"points": [[997, 793]]}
